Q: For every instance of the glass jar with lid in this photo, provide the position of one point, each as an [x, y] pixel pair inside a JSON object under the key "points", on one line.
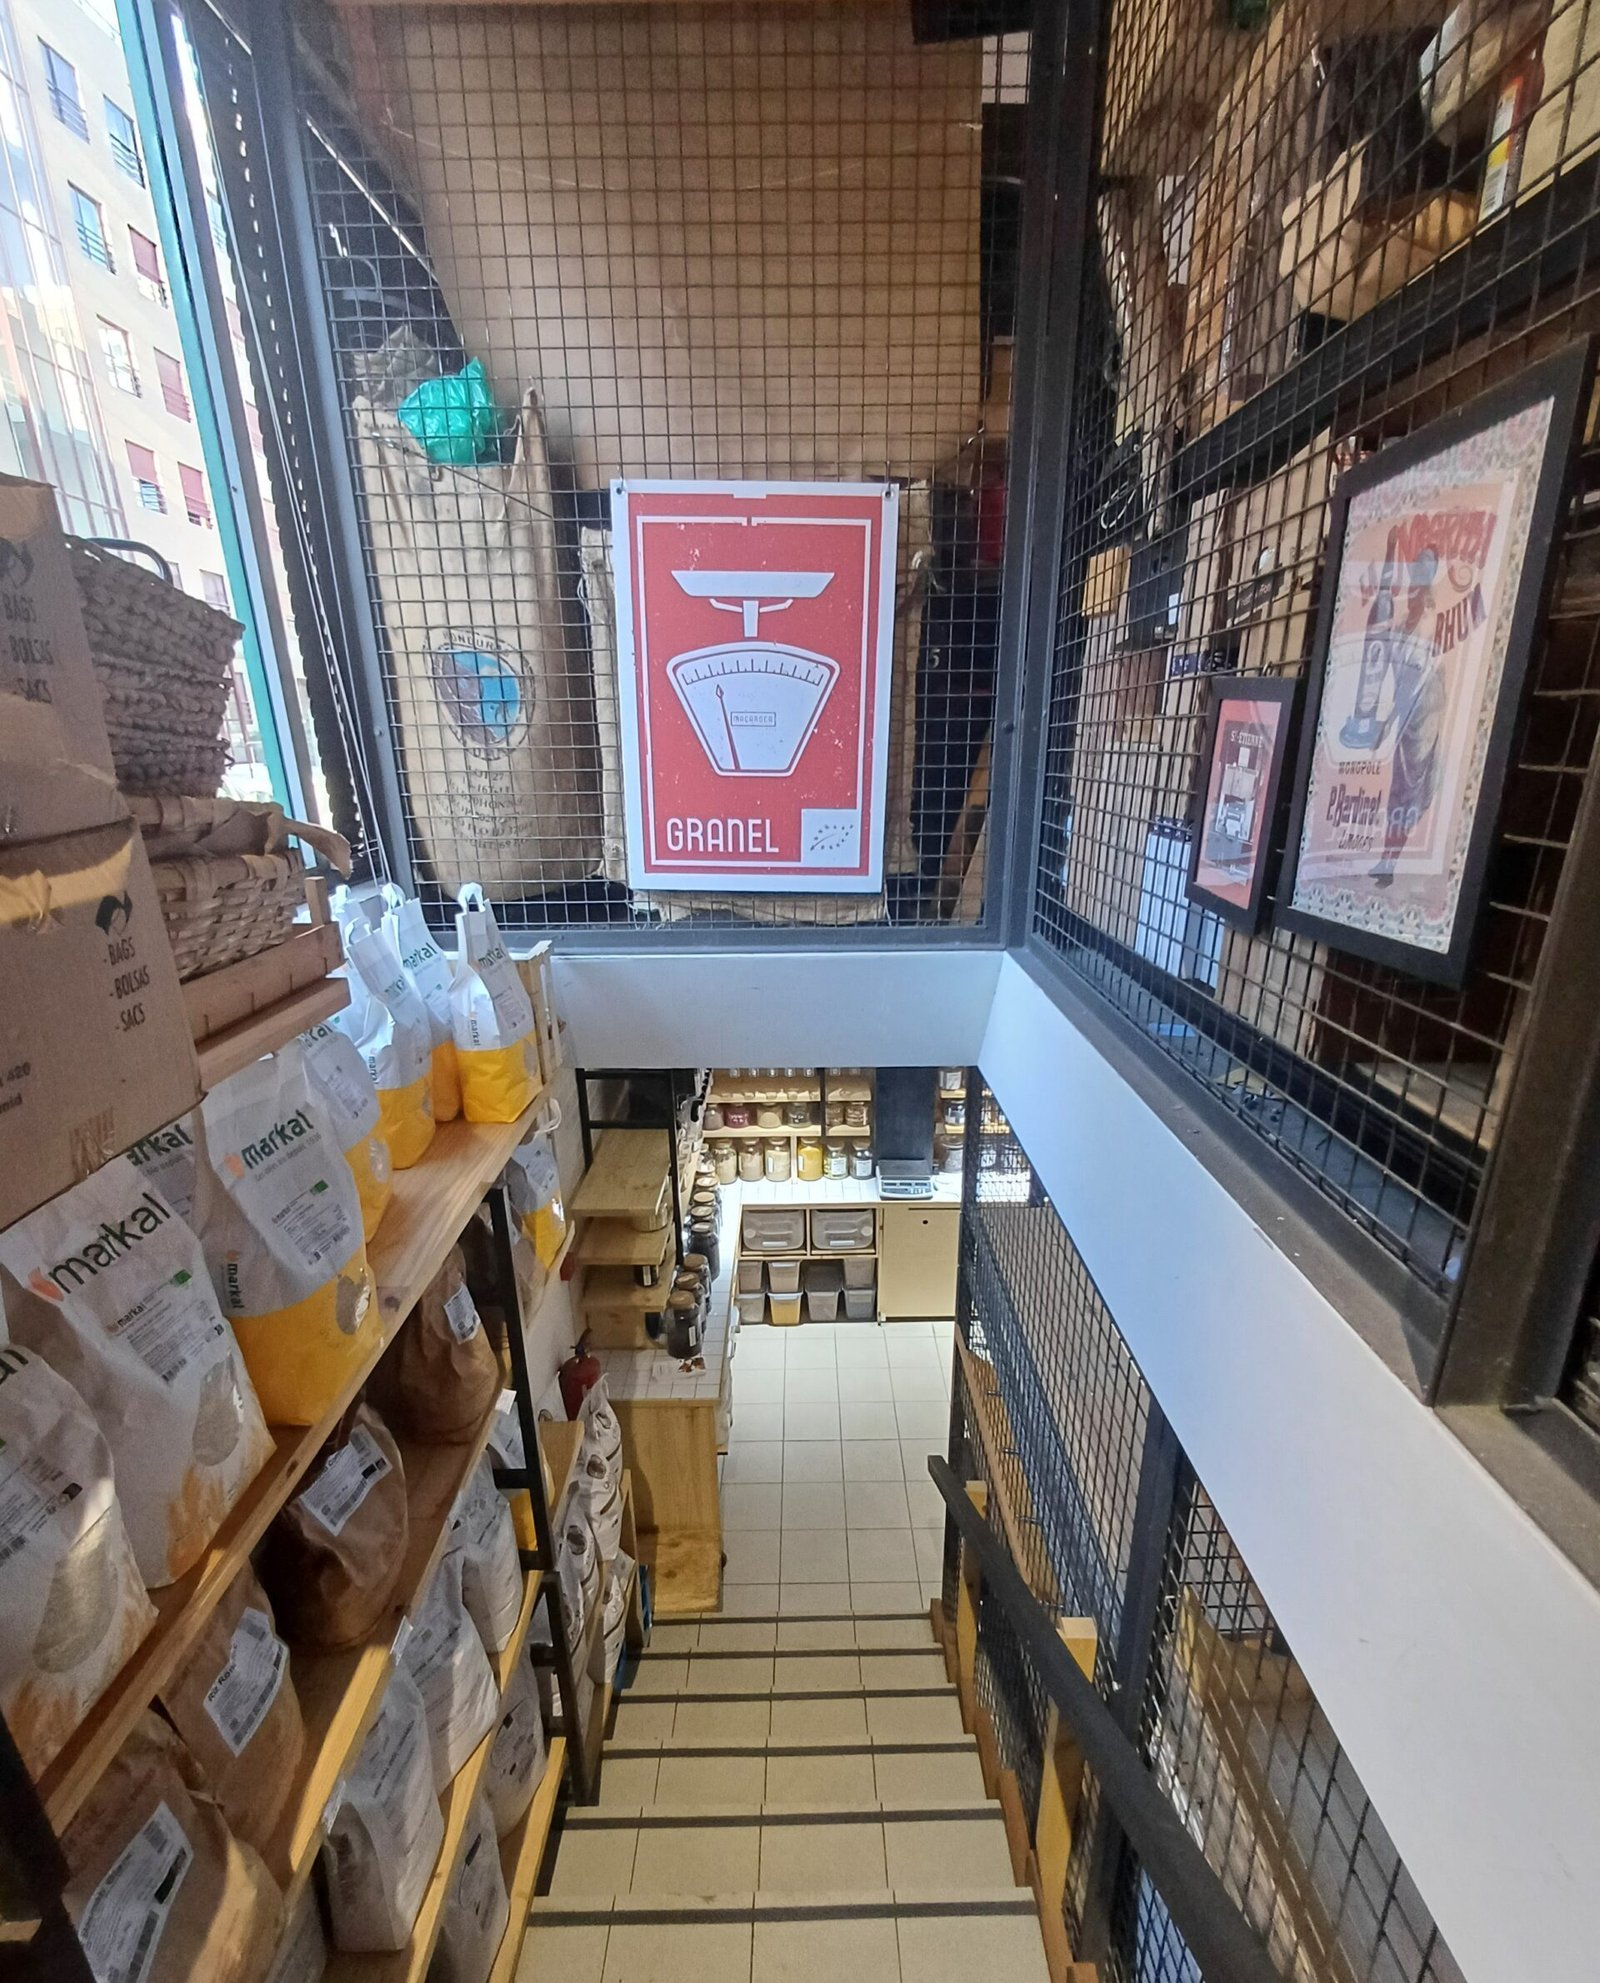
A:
{"points": [[776, 1159], [750, 1161], [808, 1160], [836, 1163], [725, 1159], [861, 1159]]}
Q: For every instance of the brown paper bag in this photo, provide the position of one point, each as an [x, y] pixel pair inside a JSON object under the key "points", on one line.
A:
{"points": [[442, 1375]]}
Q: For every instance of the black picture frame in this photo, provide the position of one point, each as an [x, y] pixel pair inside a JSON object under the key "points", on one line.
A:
{"points": [[1223, 689], [1565, 379]]}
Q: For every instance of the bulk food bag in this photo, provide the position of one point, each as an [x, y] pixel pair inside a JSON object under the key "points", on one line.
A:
{"points": [[445, 1657], [533, 1186], [517, 1757], [334, 1554], [430, 974], [166, 1159], [279, 1219], [110, 1286], [481, 1533], [600, 1493], [72, 1603], [303, 1953], [392, 1030], [340, 1078], [441, 1373], [497, 1045], [158, 1888], [506, 1450], [477, 1908], [384, 1840], [234, 1704]]}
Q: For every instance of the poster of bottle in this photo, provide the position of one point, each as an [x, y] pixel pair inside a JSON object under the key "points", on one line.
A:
{"points": [[1437, 555], [1241, 766]]}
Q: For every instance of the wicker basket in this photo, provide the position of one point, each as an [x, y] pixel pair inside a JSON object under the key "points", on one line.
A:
{"points": [[228, 878], [164, 663]]}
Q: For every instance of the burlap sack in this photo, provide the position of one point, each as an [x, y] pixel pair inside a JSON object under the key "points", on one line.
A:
{"points": [[153, 1867], [442, 1374], [333, 1555], [494, 707], [235, 1706]]}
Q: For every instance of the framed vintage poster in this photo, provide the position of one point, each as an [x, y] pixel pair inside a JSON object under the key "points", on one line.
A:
{"points": [[1246, 747], [1438, 553]]}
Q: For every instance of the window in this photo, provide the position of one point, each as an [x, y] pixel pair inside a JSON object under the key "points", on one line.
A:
{"points": [[214, 590], [142, 461], [174, 387], [117, 349], [235, 321], [215, 217], [61, 85], [147, 261], [124, 139], [91, 224], [196, 497]]}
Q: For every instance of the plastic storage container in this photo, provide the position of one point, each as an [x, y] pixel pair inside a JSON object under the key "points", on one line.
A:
{"points": [[841, 1229], [752, 1307], [860, 1271], [785, 1309], [783, 1276], [776, 1232], [823, 1282], [751, 1279], [861, 1304]]}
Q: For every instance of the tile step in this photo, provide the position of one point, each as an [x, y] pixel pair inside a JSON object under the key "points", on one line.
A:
{"points": [[661, 1816], [551, 1910]]}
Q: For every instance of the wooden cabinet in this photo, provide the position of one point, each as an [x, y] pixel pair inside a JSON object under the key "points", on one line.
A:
{"points": [[917, 1248]]}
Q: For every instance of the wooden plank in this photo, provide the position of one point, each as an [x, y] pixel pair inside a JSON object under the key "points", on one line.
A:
{"points": [[615, 1287], [628, 1178], [685, 1571], [522, 1854], [221, 999], [612, 1243], [264, 1032], [1016, 1823], [1060, 1789]]}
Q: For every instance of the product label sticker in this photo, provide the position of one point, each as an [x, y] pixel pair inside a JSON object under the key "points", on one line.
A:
{"points": [[238, 1699], [120, 1929], [173, 1326], [316, 1223], [33, 1489], [462, 1315], [345, 1481]]}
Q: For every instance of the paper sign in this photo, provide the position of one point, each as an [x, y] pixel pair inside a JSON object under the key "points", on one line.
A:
{"points": [[755, 636]]}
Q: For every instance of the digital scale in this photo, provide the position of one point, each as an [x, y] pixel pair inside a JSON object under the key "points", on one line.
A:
{"points": [[907, 1179]]}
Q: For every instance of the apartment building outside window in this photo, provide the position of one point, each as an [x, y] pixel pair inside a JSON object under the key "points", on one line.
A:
{"points": [[214, 590], [142, 463], [116, 347], [91, 227], [61, 85], [147, 265], [174, 388], [196, 497], [123, 137]]}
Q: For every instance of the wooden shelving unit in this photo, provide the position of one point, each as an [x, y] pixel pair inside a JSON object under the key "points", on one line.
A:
{"points": [[521, 1855], [253, 1007]]}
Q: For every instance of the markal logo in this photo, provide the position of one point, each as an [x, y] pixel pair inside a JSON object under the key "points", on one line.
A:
{"points": [[281, 1136], [107, 1246], [161, 1143]]}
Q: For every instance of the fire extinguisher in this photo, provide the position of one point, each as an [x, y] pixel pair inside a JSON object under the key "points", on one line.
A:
{"points": [[579, 1375]]}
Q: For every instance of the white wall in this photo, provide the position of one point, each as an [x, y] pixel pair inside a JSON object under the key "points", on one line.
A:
{"points": [[1454, 1649]]}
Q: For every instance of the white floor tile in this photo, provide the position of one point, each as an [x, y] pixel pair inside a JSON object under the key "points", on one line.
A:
{"points": [[811, 1459], [927, 1504], [930, 1553], [875, 1504], [752, 1556], [866, 1383], [919, 1419], [755, 1422], [759, 1387], [813, 1505], [884, 1556], [873, 1459], [815, 1601], [914, 1455], [755, 1507], [811, 1387], [753, 1461], [759, 1348], [814, 1556], [866, 1421], [810, 1347], [816, 1422], [915, 1381], [869, 1599], [749, 1600], [861, 1347]]}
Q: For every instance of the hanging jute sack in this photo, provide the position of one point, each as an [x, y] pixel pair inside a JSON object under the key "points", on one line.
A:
{"points": [[334, 1554], [158, 1887], [235, 1706], [442, 1374], [494, 707]]}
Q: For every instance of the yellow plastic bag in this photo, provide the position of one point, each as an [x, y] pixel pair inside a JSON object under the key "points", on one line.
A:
{"points": [[340, 1077], [430, 975], [497, 1047], [390, 1027]]}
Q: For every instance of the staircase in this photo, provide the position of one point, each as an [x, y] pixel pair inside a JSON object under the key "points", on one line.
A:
{"points": [[786, 1799]]}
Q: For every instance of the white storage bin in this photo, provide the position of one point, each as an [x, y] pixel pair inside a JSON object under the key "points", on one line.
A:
{"points": [[860, 1271], [785, 1308], [752, 1307], [774, 1232], [750, 1281], [861, 1304], [822, 1304], [841, 1229], [783, 1276]]}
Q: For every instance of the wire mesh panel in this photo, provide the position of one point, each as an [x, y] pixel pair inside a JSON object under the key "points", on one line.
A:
{"points": [[1316, 227], [561, 246]]}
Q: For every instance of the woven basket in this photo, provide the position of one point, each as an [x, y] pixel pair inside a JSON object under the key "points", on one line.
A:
{"points": [[228, 878], [164, 662]]}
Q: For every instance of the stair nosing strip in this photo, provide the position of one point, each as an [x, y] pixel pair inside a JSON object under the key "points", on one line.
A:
{"points": [[554, 1910], [595, 1817], [944, 1692], [795, 1652], [634, 1751]]}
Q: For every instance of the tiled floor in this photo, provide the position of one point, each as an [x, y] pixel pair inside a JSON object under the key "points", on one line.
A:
{"points": [[826, 1501]]}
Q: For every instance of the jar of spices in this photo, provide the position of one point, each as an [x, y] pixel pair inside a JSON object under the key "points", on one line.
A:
{"points": [[808, 1160], [712, 1120], [725, 1159], [797, 1114], [861, 1160], [736, 1115], [705, 1241], [769, 1116], [750, 1161], [855, 1115], [682, 1325], [777, 1159], [955, 1113], [837, 1161]]}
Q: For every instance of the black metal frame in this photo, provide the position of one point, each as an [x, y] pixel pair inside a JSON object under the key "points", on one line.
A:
{"points": [[588, 1123], [1284, 691]]}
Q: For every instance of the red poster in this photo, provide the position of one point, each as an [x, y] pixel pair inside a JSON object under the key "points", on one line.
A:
{"points": [[755, 634]]}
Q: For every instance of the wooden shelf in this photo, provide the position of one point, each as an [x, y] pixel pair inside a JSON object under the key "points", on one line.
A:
{"points": [[628, 1178], [605, 1243], [410, 1964], [522, 1854], [615, 1287], [265, 1031]]}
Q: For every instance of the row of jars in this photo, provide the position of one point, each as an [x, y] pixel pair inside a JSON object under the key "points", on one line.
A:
{"points": [[752, 1158], [784, 1115]]}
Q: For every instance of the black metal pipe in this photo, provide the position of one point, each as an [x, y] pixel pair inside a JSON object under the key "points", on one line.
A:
{"points": [[1224, 1945]]}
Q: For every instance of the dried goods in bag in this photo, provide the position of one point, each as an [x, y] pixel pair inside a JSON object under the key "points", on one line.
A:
{"points": [[445, 1657], [441, 1374], [339, 1075], [279, 1220], [497, 1047], [303, 1953], [166, 1159], [517, 1757], [334, 1554], [72, 1604], [234, 1703], [158, 1888], [431, 975], [477, 1908], [481, 1532], [506, 1450], [533, 1186], [602, 1433], [384, 1840], [600, 1493], [395, 1038], [110, 1286]]}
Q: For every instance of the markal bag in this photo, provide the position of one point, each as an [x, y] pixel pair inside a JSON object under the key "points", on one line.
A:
{"points": [[109, 1285], [517, 1757], [339, 1076], [385, 1836], [615, 1627], [602, 1433], [72, 1603], [303, 1953], [392, 1030], [600, 1492], [481, 1532], [279, 1220], [158, 1888], [166, 1158], [507, 1450], [497, 1045], [233, 1702], [441, 1373], [430, 974], [445, 1657], [477, 1908], [533, 1186], [578, 1548], [334, 1554]]}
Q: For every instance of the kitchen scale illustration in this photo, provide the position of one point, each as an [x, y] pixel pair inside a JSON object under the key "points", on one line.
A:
{"points": [[754, 703]]}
